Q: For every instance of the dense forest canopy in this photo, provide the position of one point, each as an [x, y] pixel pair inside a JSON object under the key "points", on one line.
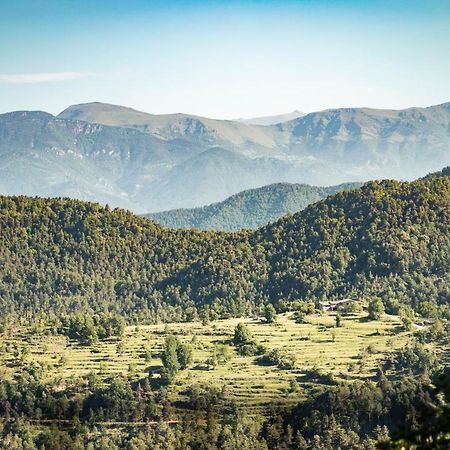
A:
{"points": [[387, 239]]}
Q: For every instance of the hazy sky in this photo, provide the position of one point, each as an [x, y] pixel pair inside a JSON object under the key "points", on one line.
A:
{"points": [[224, 59]]}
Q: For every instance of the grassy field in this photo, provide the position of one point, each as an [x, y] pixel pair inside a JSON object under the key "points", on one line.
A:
{"points": [[352, 351]]}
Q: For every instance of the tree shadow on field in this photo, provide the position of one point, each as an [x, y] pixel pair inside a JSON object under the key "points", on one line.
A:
{"points": [[151, 370], [364, 319]]}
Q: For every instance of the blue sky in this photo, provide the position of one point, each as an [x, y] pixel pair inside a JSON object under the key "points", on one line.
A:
{"points": [[224, 59]]}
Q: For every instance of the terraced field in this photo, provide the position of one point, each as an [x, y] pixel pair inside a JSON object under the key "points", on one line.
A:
{"points": [[323, 353]]}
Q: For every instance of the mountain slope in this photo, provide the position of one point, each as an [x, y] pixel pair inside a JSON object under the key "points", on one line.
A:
{"points": [[52, 157], [46, 156], [386, 143], [248, 209], [387, 239], [336, 144], [205, 132]]}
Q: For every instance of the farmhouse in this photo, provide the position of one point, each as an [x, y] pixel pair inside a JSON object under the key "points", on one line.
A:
{"points": [[335, 305]]}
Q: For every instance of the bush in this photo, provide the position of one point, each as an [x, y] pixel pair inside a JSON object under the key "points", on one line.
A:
{"points": [[174, 356], [184, 354], [414, 358], [88, 329], [202, 396], [242, 335], [270, 314], [375, 309], [299, 317], [392, 305], [293, 385], [351, 308], [251, 349], [407, 317], [318, 376], [221, 353], [244, 342], [283, 360]]}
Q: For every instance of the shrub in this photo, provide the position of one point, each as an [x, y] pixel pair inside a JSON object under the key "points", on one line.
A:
{"points": [[375, 309], [244, 342], [251, 349], [270, 314], [278, 358]]}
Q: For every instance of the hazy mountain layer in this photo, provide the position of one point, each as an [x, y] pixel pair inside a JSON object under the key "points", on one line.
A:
{"points": [[331, 146], [46, 156], [390, 143], [151, 163], [249, 209]]}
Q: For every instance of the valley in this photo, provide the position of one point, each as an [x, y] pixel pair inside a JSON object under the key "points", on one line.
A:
{"points": [[224, 225], [116, 331]]}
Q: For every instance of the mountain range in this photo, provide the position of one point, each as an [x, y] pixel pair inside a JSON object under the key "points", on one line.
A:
{"points": [[249, 209], [150, 163]]}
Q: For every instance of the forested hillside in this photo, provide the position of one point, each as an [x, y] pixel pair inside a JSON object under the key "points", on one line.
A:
{"points": [[387, 239], [249, 209]]}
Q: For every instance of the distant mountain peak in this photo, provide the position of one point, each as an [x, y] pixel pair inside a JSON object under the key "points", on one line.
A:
{"points": [[272, 120], [97, 105], [201, 130], [28, 114], [104, 113]]}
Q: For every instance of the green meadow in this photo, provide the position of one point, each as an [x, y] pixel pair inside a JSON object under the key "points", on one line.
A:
{"points": [[324, 354]]}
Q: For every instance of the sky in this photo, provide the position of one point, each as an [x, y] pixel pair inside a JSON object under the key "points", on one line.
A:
{"points": [[224, 59]]}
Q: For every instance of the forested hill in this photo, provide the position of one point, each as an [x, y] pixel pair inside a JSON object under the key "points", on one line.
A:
{"points": [[64, 255], [249, 209], [445, 172], [387, 239]]}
